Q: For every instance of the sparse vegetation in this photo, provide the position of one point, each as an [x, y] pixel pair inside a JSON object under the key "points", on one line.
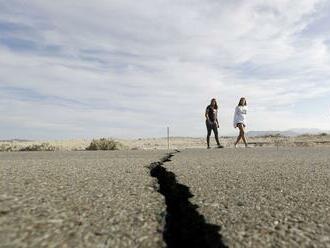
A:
{"points": [[104, 144], [268, 140], [275, 135], [39, 147], [305, 135], [6, 148], [308, 135]]}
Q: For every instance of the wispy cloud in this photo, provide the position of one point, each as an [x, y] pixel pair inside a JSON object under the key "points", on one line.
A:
{"points": [[120, 68]]}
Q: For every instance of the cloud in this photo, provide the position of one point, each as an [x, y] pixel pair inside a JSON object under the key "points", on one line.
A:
{"points": [[118, 68]]}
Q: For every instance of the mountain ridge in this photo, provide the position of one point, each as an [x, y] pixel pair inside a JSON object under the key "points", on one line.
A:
{"points": [[290, 132]]}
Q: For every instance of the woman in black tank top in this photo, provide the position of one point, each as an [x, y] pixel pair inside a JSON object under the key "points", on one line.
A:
{"points": [[211, 115]]}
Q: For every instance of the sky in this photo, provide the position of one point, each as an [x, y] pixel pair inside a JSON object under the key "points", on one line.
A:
{"points": [[128, 69]]}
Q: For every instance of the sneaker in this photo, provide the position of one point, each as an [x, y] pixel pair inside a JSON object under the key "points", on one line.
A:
{"points": [[208, 147], [221, 146]]}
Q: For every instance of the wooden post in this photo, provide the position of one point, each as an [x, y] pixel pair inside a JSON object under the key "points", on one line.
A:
{"points": [[168, 139]]}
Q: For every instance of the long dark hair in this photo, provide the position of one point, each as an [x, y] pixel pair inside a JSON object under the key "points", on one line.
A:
{"points": [[242, 102], [216, 104]]}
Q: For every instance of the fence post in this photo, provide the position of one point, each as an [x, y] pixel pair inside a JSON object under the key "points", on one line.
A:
{"points": [[168, 139]]}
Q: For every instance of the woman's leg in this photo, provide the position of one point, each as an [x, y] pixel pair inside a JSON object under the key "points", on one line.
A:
{"points": [[209, 129], [242, 133], [216, 135], [239, 135]]}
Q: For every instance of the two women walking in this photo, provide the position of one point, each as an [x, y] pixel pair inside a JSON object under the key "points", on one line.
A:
{"points": [[212, 123]]}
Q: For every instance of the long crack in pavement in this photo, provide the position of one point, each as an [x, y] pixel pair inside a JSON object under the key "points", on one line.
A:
{"points": [[184, 225]]}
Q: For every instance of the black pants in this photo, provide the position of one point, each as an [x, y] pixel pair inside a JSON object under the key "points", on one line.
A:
{"points": [[212, 126]]}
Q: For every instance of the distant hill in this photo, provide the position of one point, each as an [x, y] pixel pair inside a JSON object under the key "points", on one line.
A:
{"points": [[263, 133], [15, 140], [308, 131], [290, 133]]}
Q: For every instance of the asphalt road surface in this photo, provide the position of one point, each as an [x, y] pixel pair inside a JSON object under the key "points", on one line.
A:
{"points": [[258, 197], [79, 199]]}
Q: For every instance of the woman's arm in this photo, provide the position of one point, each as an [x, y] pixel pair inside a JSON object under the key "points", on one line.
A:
{"points": [[206, 114], [244, 110], [236, 111], [241, 110], [235, 115]]}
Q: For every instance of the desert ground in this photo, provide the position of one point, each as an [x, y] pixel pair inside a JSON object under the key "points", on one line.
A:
{"points": [[175, 142], [255, 197]]}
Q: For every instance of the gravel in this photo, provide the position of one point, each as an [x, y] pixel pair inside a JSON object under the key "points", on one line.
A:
{"points": [[261, 197], [79, 199]]}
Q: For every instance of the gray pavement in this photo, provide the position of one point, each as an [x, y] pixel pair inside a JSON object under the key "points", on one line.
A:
{"points": [[260, 197], [79, 199], [257, 197]]}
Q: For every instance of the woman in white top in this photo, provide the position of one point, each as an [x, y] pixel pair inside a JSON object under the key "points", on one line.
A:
{"points": [[240, 120]]}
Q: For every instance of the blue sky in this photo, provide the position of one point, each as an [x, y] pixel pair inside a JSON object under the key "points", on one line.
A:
{"points": [[84, 69]]}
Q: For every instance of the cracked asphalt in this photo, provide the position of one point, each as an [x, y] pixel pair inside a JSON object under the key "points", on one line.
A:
{"points": [[79, 199], [261, 197], [258, 197]]}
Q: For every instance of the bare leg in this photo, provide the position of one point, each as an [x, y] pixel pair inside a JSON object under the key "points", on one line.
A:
{"points": [[238, 139], [242, 133], [239, 136]]}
